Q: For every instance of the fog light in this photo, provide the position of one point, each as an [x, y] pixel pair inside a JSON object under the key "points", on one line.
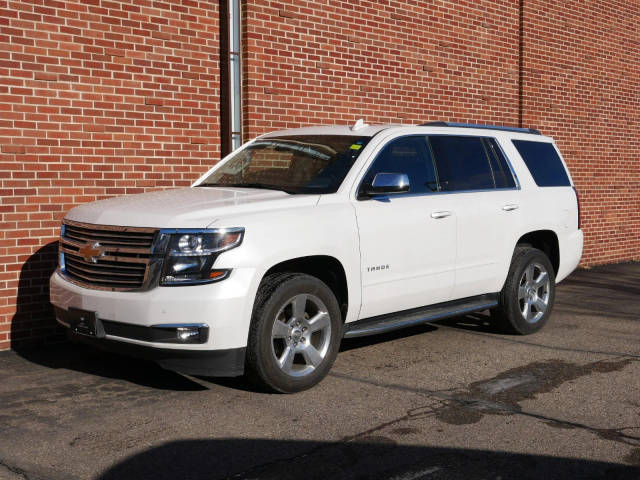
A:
{"points": [[180, 333], [188, 334]]}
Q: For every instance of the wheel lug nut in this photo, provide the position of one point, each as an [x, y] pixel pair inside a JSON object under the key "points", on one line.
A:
{"points": [[302, 339], [304, 329]]}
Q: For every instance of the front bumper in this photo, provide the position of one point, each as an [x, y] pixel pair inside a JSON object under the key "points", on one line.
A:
{"points": [[224, 306], [214, 363]]}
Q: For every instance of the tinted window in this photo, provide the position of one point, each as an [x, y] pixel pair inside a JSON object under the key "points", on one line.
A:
{"points": [[408, 155], [462, 163], [501, 171], [543, 162]]}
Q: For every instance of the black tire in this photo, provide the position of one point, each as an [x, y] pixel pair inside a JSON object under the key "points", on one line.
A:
{"points": [[273, 301], [508, 316]]}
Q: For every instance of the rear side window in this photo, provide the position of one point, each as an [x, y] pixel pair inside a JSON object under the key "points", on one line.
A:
{"points": [[501, 171], [462, 163], [543, 162]]}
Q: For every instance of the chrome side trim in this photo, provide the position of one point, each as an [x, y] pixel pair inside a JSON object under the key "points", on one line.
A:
{"points": [[427, 194]]}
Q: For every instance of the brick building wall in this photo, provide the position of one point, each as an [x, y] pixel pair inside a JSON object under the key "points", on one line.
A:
{"points": [[309, 62], [101, 98], [97, 98], [582, 86]]}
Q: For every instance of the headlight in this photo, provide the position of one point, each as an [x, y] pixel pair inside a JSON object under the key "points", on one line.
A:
{"points": [[192, 253]]}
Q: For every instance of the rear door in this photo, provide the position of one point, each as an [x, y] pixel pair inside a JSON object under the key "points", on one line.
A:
{"points": [[482, 191], [407, 241]]}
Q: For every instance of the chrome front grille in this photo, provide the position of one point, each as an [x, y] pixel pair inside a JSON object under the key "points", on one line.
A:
{"points": [[107, 257]]}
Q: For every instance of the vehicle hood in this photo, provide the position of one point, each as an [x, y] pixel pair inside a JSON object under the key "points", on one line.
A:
{"points": [[191, 207]]}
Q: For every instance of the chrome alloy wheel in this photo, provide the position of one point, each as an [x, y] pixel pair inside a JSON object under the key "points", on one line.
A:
{"points": [[301, 335], [533, 292]]}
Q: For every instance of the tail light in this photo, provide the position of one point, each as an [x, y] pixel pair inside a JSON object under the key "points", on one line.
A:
{"points": [[578, 201]]}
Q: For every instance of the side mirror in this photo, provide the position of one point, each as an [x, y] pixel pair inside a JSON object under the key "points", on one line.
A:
{"points": [[388, 183]]}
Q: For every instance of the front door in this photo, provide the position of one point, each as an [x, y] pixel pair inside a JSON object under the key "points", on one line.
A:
{"points": [[407, 241]]}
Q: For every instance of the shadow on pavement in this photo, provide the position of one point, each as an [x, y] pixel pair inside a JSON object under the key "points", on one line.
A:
{"points": [[360, 342], [612, 291], [476, 322], [374, 457], [84, 359]]}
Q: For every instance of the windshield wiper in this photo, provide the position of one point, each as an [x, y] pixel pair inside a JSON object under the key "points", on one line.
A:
{"points": [[250, 185]]}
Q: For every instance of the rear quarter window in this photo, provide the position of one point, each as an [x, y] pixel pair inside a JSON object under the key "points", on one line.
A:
{"points": [[543, 162]]}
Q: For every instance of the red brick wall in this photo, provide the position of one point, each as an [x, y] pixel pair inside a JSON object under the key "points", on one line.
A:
{"points": [[97, 98], [582, 86], [310, 62]]}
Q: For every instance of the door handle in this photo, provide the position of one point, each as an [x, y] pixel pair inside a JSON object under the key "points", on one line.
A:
{"points": [[441, 214], [510, 207]]}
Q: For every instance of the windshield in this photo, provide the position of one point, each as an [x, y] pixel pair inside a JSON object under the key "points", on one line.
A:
{"points": [[294, 164]]}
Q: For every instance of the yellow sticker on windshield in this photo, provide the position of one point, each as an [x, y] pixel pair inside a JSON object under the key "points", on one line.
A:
{"points": [[355, 146]]}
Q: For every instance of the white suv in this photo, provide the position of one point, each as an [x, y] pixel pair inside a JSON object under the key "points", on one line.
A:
{"points": [[303, 237]]}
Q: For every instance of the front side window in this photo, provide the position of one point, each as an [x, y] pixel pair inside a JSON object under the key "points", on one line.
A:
{"points": [[543, 162], [462, 163], [408, 155], [295, 164]]}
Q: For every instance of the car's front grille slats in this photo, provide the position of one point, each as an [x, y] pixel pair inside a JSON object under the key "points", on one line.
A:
{"points": [[101, 272], [113, 258], [134, 283], [126, 236], [100, 266], [107, 257], [109, 248], [104, 240]]}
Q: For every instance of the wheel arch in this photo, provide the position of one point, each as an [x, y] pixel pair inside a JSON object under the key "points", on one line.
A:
{"points": [[324, 267], [547, 242]]}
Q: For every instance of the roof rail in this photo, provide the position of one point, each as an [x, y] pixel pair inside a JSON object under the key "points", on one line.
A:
{"points": [[487, 127]]}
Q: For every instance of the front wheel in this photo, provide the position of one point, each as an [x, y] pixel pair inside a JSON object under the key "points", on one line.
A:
{"points": [[295, 333], [527, 297]]}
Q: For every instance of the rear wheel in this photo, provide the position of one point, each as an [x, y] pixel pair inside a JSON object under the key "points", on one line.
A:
{"points": [[527, 297], [295, 333]]}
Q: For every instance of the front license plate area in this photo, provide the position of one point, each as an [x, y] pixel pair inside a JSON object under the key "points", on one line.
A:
{"points": [[85, 322]]}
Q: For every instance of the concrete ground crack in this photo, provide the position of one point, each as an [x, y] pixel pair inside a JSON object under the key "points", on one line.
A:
{"points": [[15, 471], [482, 406]]}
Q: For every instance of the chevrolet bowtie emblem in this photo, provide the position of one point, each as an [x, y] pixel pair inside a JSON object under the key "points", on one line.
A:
{"points": [[91, 251]]}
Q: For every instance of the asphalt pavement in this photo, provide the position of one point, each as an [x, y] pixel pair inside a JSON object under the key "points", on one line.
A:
{"points": [[449, 400]]}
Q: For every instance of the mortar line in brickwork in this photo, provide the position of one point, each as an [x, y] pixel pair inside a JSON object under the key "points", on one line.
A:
{"points": [[520, 62]]}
